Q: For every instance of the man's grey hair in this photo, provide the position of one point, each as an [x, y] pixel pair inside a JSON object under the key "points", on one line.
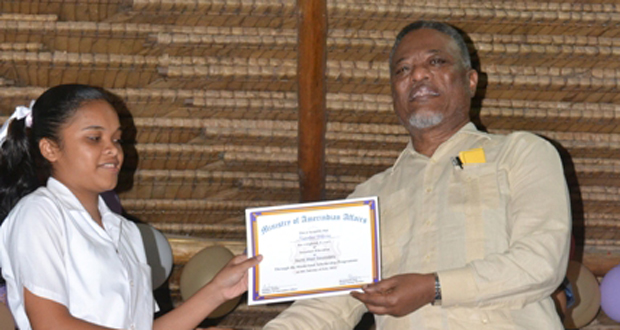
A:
{"points": [[438, 26]]}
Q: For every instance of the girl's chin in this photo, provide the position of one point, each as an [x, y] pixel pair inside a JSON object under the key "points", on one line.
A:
{"points": [[108, 186]]}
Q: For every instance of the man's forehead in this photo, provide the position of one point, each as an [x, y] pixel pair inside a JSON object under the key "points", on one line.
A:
{"points": [[426, 40]]}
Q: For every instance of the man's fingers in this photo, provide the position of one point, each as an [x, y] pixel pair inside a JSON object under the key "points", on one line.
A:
{"points": [[376, 299], [369, 302], [383, 287], [378, 310]]}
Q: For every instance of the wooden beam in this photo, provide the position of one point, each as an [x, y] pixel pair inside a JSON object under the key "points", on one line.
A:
{"points": [[599, 260], [184, 248], [312, 58]]}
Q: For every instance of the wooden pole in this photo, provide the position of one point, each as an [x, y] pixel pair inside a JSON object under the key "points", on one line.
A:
{"points": [[312, 58]]}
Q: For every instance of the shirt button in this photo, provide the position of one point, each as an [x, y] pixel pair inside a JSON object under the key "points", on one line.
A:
{"points": [[131, 283], [485, 321], [132, 327], [428, 190]]}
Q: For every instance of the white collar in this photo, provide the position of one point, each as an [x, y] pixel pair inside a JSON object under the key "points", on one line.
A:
{"points": [[110, 220]]}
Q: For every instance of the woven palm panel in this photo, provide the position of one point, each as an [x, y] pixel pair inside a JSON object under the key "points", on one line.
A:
{"points": [[127, 38], [69, 10], [253, 13], [27, 18], [158, 153], [494, 17], [153, 39], [53, 68], [499, 77], [211, 88], [98, 38], [115, 71]]}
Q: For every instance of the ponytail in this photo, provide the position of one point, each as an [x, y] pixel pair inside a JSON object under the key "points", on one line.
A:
{"points": [[22, 167], [17, 168]]}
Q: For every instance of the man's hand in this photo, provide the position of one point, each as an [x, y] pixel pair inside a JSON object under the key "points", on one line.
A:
{"points": [[398, 295]]}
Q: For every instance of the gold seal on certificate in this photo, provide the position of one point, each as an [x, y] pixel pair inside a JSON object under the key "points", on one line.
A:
{"points": [[313, 249]]}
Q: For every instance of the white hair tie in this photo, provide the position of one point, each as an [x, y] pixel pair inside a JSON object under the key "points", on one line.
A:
{"points": [[19, 113]]}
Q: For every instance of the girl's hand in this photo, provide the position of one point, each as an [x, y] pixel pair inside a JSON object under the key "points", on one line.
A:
{"points": [[232, 280]]}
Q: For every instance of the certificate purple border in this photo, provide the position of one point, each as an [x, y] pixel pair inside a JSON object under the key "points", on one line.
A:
{"points": [[252, 216]]}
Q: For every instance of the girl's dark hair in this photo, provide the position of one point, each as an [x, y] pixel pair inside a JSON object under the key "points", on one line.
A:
{"points": [[22, 167]]}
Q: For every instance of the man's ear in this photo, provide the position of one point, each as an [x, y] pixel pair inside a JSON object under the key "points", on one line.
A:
{"points": [[472, 76], [49, 149]]}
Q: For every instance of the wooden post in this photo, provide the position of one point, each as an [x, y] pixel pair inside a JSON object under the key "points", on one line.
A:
{"points": [[312, 58]]}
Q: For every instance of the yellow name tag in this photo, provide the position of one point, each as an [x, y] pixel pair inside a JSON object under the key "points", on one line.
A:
{"points": [[473, 156]]}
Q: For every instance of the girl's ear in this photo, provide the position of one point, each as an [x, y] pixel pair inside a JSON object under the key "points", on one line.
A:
{"points": [[49, 149]]}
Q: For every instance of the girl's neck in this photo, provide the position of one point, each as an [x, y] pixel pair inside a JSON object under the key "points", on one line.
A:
{"points": [[92, 207], [91, 204]]}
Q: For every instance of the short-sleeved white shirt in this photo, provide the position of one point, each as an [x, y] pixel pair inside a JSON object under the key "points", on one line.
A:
{"points": [[50, 245]]}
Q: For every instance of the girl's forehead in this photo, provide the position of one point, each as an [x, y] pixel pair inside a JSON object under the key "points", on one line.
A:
{"points": [[97, 112]]}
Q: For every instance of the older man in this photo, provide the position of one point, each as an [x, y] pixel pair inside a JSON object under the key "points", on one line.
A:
{"points": [[475, 227]]}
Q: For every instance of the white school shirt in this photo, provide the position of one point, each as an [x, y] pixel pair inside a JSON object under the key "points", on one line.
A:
{"points": [[50, 245]]}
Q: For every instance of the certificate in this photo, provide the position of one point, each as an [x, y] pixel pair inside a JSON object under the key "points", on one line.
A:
{"points": [[313, 249]]}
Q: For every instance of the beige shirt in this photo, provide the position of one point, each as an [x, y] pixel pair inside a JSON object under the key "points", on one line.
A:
{"points": [[497, 234]]}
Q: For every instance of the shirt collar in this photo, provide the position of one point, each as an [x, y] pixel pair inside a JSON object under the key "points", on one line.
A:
{"points": [[64, 195], [467, 129], [110, 220]]}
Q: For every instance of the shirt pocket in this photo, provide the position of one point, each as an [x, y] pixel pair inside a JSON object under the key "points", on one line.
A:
{"points": [[474, 188]]}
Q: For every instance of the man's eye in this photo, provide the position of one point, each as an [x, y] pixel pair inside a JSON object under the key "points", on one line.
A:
{"points": [[400, 70], [438, 61], [94, 138]]}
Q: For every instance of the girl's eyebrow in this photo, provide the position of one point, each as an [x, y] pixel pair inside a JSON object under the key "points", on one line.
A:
{"points": [[98, 128], [93, 127]]}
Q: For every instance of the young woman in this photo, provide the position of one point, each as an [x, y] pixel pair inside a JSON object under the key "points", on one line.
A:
{"points": [[68, 261]]}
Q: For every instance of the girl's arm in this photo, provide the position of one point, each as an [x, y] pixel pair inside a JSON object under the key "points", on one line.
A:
{"points": [[230, 282], [45, 314]]}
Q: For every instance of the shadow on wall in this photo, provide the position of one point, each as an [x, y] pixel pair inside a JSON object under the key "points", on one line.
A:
{"points": [[125, 183], [130, 164], [476, 102], [576, 201]]}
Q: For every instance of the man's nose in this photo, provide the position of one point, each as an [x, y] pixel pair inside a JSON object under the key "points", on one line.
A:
{"points": [[420, 72]]}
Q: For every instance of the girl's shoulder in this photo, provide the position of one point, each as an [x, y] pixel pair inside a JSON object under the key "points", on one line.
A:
{"points": [[34, 222], [37, 208]]}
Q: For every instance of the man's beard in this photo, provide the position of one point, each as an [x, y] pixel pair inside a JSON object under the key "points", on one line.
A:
{"points": [[421, 121]]}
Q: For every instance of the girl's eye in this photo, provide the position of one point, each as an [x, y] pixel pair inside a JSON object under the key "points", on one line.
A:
{"points": [[117, 141]]}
